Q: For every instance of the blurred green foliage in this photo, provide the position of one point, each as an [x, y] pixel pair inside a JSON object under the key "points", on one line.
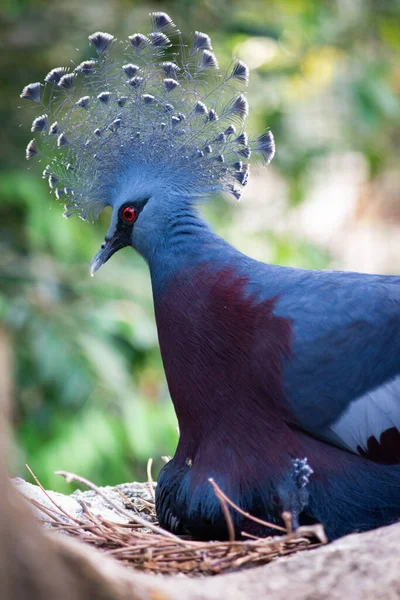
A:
{"points": [[90, 394]]}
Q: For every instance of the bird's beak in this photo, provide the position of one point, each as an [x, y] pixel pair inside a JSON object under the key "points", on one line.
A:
{"points": [[108, 248]]}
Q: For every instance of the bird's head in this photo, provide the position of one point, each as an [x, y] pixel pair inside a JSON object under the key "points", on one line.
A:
{"points": [[145, 205], [122, 231], [146, 126]]}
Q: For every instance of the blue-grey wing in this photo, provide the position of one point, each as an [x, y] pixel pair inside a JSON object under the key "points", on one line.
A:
{"points": [[370, 426], [342, 379]]}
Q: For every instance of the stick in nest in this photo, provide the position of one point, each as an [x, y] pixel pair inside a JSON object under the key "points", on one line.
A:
{"points": [[72, 477], [221, 496], [158, 551], [150, 480]]}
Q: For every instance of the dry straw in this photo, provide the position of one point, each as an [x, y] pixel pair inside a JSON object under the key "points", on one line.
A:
{"points": [[142, 544]]}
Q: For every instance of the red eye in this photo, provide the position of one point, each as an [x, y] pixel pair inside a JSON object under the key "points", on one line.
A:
{"points": [[129, 214]]}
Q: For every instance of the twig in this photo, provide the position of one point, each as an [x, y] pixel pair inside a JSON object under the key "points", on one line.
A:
{"points": [[58, 507], [168, 554], [150, 478], [126, 499], [225, 510], [287, 519], [45, 510], [244, 513], [129, 501], [252, 537], [72, 477]]}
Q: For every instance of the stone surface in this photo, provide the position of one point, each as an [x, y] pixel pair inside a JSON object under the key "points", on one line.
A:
{"points": [[357, 567], [73, 504]]}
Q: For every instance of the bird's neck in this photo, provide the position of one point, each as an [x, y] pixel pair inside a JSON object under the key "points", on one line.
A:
{"points": [[185, 242], [208, 325]]}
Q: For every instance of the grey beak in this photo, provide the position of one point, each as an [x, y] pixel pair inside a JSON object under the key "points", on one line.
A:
{"points": [[108, 248]]}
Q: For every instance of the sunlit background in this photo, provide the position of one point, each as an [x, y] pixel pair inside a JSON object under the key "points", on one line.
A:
{"points": [[89, 392]]}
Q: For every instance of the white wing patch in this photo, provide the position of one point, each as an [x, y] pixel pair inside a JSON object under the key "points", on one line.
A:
{"points": [[368, 416]]}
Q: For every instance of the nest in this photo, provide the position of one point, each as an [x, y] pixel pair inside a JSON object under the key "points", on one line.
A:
{"points": [[140, 543]]}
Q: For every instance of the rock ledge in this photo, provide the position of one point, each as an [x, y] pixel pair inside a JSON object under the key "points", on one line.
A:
{"points": [[357, 567]]}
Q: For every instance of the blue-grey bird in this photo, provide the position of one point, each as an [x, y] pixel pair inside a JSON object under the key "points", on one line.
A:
{"points": [[285, 382]]}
